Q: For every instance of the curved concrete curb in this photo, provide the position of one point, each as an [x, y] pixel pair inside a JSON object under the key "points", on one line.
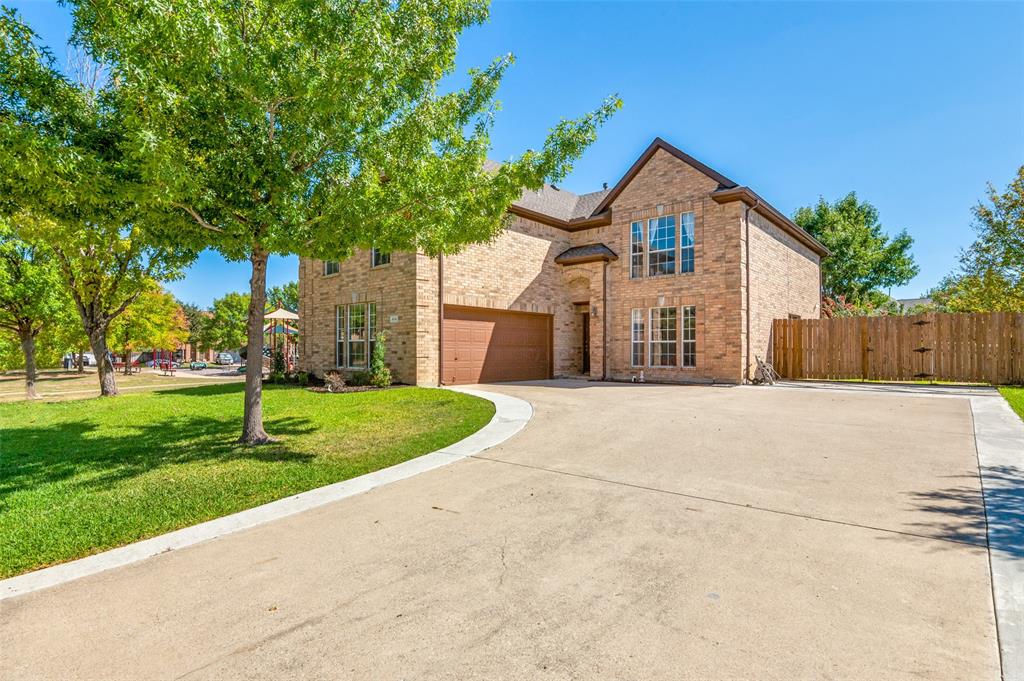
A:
{"points": [[511, 414]]}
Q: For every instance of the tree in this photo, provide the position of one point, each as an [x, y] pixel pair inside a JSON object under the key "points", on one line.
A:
{"points": [[316, 127], [61, 147], [31, 296], [226, 327], [865, 260], [286, 295], [196, 318], [991, 273], [153, 320]]}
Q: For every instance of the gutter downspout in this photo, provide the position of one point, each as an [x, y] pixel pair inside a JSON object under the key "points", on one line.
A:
{"points": [[440, 319], [746, 220], [604, 322]]}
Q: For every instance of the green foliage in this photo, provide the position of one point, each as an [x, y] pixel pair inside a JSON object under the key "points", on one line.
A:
{"points": [[225, 328], [360, 379], [276, 377], [287, 296], [154, 320], [316, 127], [277, 364], [991, 273], [302, 378], [865, 260], [72, 187], [32, 294], [196, 318], [380, 374]]}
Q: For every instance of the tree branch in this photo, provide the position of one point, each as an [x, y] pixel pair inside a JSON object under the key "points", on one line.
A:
{"points": [[198, 218]]}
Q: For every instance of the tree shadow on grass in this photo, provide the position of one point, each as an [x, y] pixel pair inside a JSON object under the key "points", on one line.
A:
{"points": [[962, 514], [80, 454]]}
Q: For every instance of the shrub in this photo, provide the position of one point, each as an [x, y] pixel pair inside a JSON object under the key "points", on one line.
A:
{"points": [[302, 378], [278, 365], [380, 374], [359, 378], [276, 377], [334, 380]]}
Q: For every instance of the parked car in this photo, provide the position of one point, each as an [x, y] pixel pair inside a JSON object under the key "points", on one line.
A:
{"points": [[155, 363], [196, 365], [225, 358]]}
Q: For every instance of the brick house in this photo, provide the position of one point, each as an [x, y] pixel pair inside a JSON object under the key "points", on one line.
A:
{"points": [[664, 274]]}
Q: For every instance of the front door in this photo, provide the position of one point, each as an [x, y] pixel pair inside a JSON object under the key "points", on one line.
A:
{"points": [[586, 343]]}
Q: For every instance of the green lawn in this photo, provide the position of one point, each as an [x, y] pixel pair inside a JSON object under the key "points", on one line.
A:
{"points": [[77, 477], [1015, 396]]}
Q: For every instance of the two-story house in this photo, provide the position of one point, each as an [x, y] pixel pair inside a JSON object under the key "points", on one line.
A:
{"points": [[676, 272]]}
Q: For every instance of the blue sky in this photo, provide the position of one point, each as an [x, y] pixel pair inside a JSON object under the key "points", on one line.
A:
{"points": [[915, 106]]}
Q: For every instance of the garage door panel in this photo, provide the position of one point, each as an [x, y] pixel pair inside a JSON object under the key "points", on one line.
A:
{"points": [[482, 345]]}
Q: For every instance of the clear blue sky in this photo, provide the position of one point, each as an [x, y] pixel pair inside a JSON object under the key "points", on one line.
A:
{"points": [[914, 106]]}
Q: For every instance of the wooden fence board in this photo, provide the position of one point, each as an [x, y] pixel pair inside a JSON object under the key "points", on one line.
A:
{"points": [[969, 348]]}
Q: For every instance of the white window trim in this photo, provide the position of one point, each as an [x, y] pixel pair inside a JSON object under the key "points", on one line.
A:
{"points": [[692, 247], [648, 251], [632, 340], [373, 259], [682, 338], [643, 250], [650, 337]]}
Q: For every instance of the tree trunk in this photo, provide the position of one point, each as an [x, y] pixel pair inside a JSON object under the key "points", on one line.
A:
{"points": [[81, 360], [252, 425], [28, 346], [98, 343]]}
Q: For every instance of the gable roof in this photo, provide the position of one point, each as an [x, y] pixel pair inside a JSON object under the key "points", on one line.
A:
{"points": [[560, 208], [658, 143]]}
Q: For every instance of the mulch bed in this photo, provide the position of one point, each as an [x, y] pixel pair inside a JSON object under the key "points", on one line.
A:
{"points": [[346, 389]]}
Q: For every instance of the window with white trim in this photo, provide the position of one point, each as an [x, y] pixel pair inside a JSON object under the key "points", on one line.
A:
{"points": [[355, 327], [637, 342], [339, 336], [378, 258], [331, 267], [686, 222], [636, 250], [689, 354], [661, 249], [663, 337]]}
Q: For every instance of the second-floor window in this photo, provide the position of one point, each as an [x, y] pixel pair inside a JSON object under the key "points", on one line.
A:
{"points": [[331, 267], [661, 252], [378, 258], [686, 242], [636, 250]]}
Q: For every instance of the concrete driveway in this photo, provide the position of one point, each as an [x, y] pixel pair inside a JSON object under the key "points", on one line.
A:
{"points": [[628, 532]]}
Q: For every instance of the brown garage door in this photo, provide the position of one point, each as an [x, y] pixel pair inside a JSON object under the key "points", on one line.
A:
{"points": [[483, 345]]}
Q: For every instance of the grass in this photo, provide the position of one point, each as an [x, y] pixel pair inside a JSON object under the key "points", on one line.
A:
{"points": [[73, 385], [77, 477], [1015, 396]]}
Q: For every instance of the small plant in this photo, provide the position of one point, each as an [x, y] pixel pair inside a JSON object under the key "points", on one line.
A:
{"points": [[359, 378], [380, 374], [276, 377], [302, 378], [278, 366], [334, 380]]}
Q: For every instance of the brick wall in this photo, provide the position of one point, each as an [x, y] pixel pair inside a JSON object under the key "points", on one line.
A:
{"points": [[517, 272], [784, 281], [668, 186], [392, 287]]}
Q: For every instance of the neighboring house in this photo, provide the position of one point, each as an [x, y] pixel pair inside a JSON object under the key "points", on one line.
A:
{"points": [[648, 277]]}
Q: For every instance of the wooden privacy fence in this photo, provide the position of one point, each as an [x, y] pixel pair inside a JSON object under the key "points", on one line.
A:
{"points": [[970, 348]]}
